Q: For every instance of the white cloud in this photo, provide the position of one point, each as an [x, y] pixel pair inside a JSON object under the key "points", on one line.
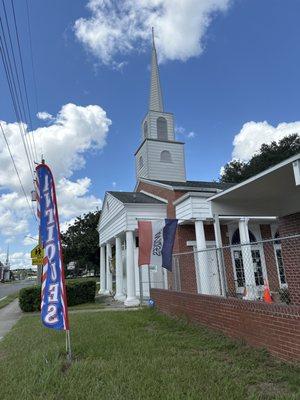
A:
{"points": [[44, 116], [181, 131], [64, 143], [73, 197], [254, 134], [116, 28], [30, 240], [17, 260]]}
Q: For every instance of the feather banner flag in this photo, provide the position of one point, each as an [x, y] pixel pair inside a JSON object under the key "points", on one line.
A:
{"points": [[54, 311], [156, 241]]}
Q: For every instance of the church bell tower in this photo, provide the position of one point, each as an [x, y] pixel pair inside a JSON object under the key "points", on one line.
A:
{"points": [[160, 156]]}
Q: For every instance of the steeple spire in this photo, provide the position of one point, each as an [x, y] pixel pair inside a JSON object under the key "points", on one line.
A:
{"points": [[156, 103]]}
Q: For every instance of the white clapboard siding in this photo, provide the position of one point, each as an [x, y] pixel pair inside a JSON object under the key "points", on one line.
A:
{"points": [[184, 209], [193, 207], [174, 171], [110, 208], [115, 227], [201, 207], [142, 172], [152, 124], [143, 211]]}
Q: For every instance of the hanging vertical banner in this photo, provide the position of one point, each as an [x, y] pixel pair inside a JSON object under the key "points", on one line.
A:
{"points": [[54, 310], [156, 241]]}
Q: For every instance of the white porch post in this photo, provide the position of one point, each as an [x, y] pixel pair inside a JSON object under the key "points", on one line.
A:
{"points": [[108, 273], [220, 256], [251, 293], [102, 270], [131, 299], [202, 258], [119, 271]]}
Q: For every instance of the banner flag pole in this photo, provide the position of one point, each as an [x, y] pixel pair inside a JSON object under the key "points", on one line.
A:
{"points": [[54, 307]]}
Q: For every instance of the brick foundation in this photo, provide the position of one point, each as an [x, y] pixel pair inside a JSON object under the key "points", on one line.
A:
{"points": [[270, 326]]}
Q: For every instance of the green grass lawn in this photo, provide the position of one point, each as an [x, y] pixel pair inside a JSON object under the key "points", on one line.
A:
{"points": [[137, 355], [8, 299]]}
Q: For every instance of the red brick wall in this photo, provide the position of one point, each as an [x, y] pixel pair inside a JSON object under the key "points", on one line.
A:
{"points": [[187, 261], [274, 327], [269, 254], [231, 290], [290, 225], [170, 196]]}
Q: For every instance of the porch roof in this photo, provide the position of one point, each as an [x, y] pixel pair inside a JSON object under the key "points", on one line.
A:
{"points": [[275, 191]]}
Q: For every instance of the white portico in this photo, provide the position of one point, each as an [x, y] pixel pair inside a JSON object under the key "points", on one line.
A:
{"points": [[118, 242]]}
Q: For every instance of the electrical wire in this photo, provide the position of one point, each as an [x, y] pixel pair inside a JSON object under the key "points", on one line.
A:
{"points": [[15, 100], [32, 64], [23, 115], [17, 172], [23, 74]]}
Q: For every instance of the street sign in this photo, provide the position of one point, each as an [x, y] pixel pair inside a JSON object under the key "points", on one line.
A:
{"points": [[37, 255]]}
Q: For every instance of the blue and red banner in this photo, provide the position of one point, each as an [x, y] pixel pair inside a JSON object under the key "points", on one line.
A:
{"points": [[156, 241], [54, 311]]}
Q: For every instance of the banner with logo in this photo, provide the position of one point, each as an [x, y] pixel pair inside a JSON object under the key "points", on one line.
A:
{"points": [[54, 310], [156, 241]]}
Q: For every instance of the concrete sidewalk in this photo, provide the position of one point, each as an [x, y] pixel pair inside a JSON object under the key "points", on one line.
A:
{"points": [[9, 315]]}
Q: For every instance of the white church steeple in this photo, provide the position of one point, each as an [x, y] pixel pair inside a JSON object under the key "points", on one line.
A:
{"points": [[159, 157], [156, 103]]}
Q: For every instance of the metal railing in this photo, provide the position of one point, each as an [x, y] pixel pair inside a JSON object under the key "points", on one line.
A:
{"points": [[264, 270]]}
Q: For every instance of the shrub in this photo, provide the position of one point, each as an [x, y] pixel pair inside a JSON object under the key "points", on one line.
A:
{"points": [[78, 292], [30, 298]]}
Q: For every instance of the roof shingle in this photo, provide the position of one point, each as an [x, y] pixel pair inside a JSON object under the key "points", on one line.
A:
{"points": [[135, 197]]}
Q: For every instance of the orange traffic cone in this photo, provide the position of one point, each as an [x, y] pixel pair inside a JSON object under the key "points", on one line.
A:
{"points": [[267, 294]]}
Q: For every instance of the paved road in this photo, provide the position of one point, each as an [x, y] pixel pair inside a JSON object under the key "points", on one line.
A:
{"points": [[9, 288], [9, 315]]}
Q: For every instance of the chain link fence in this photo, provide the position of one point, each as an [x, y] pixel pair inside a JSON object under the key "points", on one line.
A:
{"points": [[251, 271]]}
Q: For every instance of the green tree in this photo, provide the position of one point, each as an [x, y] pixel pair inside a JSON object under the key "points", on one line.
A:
{"points": [[81, 243], [269, 154]]}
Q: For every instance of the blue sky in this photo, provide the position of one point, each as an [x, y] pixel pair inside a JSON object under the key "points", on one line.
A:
{"points": [[232, 67]]}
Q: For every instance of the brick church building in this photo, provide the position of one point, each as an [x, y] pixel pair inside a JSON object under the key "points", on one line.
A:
{"points": [[162, 190]]}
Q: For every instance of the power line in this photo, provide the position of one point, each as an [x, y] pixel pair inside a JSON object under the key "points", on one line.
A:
{"points": [[13, 88], [32, 62], [24, 116], [14, 97], [22, 69], [17, 172]]}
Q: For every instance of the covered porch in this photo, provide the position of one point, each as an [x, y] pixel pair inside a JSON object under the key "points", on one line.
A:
{"points": [[119, 272]]}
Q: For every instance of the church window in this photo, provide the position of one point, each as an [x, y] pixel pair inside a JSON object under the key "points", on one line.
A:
{"points": [[237, 240], [162, 128], [165, 156], [141, 162], [145, 129]]}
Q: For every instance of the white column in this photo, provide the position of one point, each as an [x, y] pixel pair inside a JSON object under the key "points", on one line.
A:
{"points": [[220, 256], [119, 271], [131, 299], [102, 271], [108, 273], [202, 258], [251, 292]]}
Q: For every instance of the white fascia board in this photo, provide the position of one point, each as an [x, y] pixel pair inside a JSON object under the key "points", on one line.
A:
{"points": [[154, 196], [296, 168], [104, 202], [103, 211], [260, 175], [154, 183]]}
